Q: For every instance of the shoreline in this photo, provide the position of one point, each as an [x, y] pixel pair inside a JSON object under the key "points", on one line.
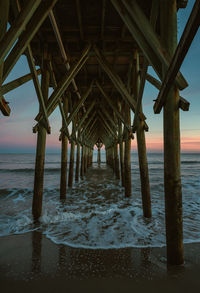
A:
{"points": [[32, 260]]}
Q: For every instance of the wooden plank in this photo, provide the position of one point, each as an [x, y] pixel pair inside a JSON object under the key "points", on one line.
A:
{"points": [[27, 35], [179, 55], [148, 42], [17, 27]]}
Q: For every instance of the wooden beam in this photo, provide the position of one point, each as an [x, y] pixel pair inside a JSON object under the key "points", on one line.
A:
{"points": [[142, 31], [183, 103], [17, 27], [113, 107], [153, 20], [117, 82], [109, 117], [106, 124], [64, 83], [38, 88], [85, 115], [88, 123], [179, 55], [79, 104], [62, 49], [17, 83], [27, 35]]}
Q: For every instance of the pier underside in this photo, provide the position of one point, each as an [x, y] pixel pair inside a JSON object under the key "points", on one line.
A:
{"points": [[95, 56]]}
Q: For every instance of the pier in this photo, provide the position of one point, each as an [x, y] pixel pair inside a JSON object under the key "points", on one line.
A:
{"points": [[94, 56]]}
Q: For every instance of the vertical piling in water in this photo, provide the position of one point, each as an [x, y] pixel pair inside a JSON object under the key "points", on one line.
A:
{"points": [[116, 158], [77, 162], [99, 156], [141, 143], [82, 162], [40, 150], [63, 177], [85, 159], [127, 155], [121, 153], [71, 164], [172, 178]]}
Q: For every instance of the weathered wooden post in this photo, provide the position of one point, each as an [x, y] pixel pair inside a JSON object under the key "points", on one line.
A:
{"points": [[116, 158], [85, 159], [99, 156], [40, 151], [71, 163], [127, 155], [121, 153], [64, 150], [77, 161], [82, 162], [172, 178], [141, 143]]}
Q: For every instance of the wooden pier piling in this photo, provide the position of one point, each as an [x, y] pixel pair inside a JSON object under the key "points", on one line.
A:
{"points": [[172, 176], [71, 164], [64, 151], [141, 144], [116, 159], [77, 162], [127, 157], [40, 149]]}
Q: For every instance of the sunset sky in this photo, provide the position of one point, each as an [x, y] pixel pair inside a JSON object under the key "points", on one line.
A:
{"points": [[16, 131]]}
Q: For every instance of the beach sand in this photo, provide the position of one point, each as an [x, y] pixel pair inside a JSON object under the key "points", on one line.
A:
{"points": [[32, 263]]}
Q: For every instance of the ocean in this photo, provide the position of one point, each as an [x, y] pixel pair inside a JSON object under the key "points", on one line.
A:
{"points": [[95, 213]]}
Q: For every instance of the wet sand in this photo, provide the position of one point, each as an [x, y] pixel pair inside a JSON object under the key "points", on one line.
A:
{"points": [[32, 263]]}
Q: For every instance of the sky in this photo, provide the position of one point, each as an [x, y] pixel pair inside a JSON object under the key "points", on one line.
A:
{"points": [[16, 131]]}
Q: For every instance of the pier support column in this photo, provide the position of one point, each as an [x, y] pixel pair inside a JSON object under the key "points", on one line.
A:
{"points": [[64, 150], [82, 162], [141, 143], [172, 178], [99, 156], [40, 151], [116, 158], [85, 159], [121, 153], [71, 164], [127, 156], [77, 161]]}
